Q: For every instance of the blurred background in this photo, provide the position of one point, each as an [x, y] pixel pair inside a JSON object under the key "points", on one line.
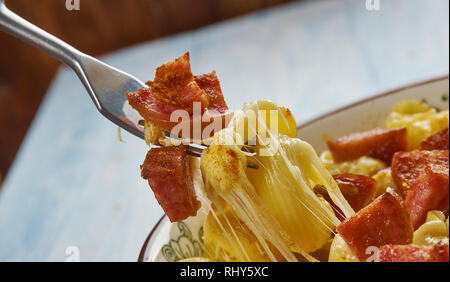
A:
{"points": [[68, 181], [100, 27]]}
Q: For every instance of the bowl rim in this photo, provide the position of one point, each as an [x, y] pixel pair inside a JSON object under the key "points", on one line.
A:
{"points": [[307, 123], [372, 97]]}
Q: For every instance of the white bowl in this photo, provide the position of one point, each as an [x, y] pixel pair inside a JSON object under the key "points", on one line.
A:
{"points": [[172, 241]]}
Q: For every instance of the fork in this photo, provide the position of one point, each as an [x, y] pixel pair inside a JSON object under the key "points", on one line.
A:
{"points": [[105, 84]]}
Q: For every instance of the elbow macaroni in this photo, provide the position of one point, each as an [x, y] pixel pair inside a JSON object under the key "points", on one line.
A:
{"points": [[340, 251], [433, 231], [364, 165], [420, 120]]}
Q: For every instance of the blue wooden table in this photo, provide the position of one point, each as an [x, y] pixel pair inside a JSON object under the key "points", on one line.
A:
{"points": [[73, 184]]}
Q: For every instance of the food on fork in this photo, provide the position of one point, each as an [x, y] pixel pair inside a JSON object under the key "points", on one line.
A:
{"points": [[168, 173], [378, 195], [175, 88]]}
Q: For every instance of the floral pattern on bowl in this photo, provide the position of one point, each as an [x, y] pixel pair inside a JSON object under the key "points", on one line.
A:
{"points": [[185, 245]]}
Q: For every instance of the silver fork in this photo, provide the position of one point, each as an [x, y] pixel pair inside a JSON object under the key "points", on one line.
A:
{"points": [[106, 85]]}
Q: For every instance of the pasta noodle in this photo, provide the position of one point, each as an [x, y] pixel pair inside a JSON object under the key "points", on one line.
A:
{"points": [[267, 200], [434, 230], [420, 120]]}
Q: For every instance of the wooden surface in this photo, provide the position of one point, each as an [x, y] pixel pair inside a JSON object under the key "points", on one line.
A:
{"points": [[74, 184], [99, 27]]}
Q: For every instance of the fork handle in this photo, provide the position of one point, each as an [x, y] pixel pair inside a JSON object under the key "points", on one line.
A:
{"points": [[22, 29]]}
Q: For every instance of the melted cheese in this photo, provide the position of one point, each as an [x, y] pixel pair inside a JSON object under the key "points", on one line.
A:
{"points": [[420, 120], [276, 202], [433, 231]]}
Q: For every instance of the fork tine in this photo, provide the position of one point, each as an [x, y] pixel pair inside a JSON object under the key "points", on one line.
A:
{"points": [[196, 150]]}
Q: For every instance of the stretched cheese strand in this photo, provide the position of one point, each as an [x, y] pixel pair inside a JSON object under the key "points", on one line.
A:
{"points": [[223, 169], [276, 202]]}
